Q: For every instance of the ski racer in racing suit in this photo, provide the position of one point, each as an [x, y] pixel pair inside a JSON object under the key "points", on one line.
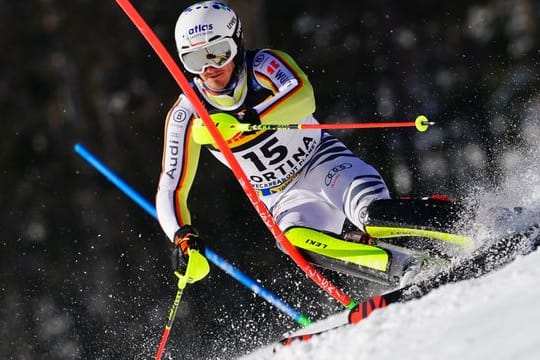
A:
{"points": [[309, 180]]}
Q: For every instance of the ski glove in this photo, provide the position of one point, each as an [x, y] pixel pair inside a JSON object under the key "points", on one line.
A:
{"points": [[249, 116], [185, 238]]}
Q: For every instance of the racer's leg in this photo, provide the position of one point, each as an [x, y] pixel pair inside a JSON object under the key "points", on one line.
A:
{"points": [[333, 186], [344, 180], [312, 223]]}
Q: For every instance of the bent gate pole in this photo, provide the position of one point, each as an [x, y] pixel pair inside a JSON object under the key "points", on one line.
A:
{"points": [[217, 260], [265, 215]]}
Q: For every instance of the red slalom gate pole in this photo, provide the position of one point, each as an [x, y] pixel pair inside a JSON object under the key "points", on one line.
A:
{"points": [[265, 215]]}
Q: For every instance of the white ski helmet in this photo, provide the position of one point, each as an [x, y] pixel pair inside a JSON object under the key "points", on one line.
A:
{"points": [[209, 33]]}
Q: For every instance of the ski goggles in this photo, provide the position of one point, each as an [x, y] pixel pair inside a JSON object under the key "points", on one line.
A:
{"points": [[216, 54]]}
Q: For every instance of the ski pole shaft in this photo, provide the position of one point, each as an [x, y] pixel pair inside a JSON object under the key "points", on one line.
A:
{"points": [[210, 255], [421, 124], [145, 30], [170, 320], [197, 269]]}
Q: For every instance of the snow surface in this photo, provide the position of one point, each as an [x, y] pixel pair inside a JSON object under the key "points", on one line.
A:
{"points": [[494, 317]]}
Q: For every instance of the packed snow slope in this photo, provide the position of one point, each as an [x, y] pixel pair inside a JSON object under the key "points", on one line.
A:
{"points": [[493, 317]]}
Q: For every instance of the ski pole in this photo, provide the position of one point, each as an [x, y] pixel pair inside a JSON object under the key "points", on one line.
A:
{"points": [[224, 120], [197, 268], [229, 126], [239, 173], [172, 316], [217, 260]]}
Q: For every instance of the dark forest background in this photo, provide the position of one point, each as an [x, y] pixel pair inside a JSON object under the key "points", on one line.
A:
{"points": [[85, 272]]}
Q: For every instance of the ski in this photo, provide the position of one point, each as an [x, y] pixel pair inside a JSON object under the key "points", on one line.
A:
{"points": [[484, 260], [360, 312]]}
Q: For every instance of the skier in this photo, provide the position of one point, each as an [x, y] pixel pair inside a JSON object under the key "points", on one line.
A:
{"points": [[308, 179]]}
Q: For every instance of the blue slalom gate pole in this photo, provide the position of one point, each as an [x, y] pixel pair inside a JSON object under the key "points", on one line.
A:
{"points": [[210, 255]]}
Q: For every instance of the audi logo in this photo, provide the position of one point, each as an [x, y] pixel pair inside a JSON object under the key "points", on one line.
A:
{"points": [[334, 171]]}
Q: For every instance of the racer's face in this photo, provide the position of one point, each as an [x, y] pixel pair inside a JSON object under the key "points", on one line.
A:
{"points": [[217, 78]]}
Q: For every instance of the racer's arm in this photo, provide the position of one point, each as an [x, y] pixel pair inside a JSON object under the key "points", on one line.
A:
{"points": [[179, 165], [293, 98]]}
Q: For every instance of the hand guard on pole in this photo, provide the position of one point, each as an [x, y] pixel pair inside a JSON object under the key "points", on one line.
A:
{"points": [[185, 239]]}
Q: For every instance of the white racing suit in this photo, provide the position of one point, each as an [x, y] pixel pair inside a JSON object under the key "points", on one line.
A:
{"points": [[306, 178], [333, 185]]}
